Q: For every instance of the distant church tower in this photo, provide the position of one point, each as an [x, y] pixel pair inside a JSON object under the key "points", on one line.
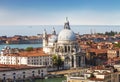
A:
{"points": [[45, 39]]}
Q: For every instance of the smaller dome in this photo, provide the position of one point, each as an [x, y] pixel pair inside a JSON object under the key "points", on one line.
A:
{"points": [[53, 38], [66, 35]]}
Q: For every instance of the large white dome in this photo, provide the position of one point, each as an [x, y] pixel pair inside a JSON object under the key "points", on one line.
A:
{"points": [[66, 35]]}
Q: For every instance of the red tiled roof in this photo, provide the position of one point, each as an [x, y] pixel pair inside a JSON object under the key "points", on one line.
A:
{"points": [[98, 51], [4, 67], [35, 52]]}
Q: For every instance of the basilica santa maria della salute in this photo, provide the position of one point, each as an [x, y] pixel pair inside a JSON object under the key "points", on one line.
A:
{"points": [[64, 45]]}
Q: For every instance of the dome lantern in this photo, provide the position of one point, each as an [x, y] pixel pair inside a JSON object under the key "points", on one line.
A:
{"points": [[66, 25], [66, 34]]}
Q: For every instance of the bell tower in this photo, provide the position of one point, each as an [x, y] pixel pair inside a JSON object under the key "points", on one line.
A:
{"points": [[45, 39]]}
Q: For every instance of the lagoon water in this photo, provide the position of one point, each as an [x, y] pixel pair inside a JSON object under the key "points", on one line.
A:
{"points": [[51, 80], [20, 46]]}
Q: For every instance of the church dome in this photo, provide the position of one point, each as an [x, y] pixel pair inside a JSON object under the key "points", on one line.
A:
{"points": [[66, 35]]}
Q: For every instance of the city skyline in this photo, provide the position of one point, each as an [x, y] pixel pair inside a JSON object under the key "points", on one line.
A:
{"points": [[29, 30]]}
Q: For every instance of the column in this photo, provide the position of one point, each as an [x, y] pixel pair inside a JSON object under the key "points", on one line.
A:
{"points": [[70, 61], [67, 48], [74, 61], [63, 49], [70, 49], [82, 61]]}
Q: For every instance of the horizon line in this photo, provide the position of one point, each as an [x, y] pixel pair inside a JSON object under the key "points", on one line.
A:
{"points": [[70, 25]]}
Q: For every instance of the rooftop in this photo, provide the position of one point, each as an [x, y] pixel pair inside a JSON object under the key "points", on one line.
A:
{"points": [[4, 67], [35, 52]]}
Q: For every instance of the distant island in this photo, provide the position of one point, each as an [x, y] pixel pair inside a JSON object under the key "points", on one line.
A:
{"points": [[19, 39]]}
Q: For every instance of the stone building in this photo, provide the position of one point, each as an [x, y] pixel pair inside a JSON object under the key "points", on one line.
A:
{"points": [[65, 45], [18, 73]]}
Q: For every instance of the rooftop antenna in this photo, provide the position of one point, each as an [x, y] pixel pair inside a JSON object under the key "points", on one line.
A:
{"points": [[45, 31], [94, 31], [53, 28], [91, 31]]}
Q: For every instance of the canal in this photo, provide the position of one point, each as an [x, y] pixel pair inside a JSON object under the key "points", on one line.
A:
{"points": [[60, 79]]}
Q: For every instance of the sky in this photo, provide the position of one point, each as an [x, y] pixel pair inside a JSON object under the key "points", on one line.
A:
{"points": [[28, 17], [54, 12]]}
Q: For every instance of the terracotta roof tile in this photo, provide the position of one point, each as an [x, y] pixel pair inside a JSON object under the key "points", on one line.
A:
{"points": [[35, 52]]}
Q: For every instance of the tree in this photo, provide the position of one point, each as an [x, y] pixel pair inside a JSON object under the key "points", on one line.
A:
{"points": [[117, 45], [92, 75], [29, 49], [57, 61], [111, 33], [100, 33]]}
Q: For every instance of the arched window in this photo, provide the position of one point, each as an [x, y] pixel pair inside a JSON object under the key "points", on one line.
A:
{"points": [[42, 74], [33, 73], [38, 71], [23, 74], [68, 48], [14, 74], [65, 48], [72, 61], [4, 78]]}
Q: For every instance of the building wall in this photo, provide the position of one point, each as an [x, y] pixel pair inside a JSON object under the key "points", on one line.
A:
{"points": [[16, 74], [111, 53], [76, 80], [100, 76], [13, 60], [40, 60], [31, 60]]}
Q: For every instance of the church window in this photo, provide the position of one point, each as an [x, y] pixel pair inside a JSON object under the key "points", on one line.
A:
{"points": [[4, 78], [38, 71], [69, 48], [72, 61], [41, 70], [65, 48]]}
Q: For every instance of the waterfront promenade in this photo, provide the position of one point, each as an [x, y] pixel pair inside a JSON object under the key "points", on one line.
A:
{"points": [[66, 72]]}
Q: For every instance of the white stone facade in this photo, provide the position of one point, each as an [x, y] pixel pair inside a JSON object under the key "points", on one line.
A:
{"points": [[99, 75], [23, 73], [15, 59], [65, 45], [40, 60]]}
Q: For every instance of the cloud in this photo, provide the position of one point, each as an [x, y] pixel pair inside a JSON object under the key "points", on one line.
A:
{"points": [[85, 17], [3, 12], [96, 18]]}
